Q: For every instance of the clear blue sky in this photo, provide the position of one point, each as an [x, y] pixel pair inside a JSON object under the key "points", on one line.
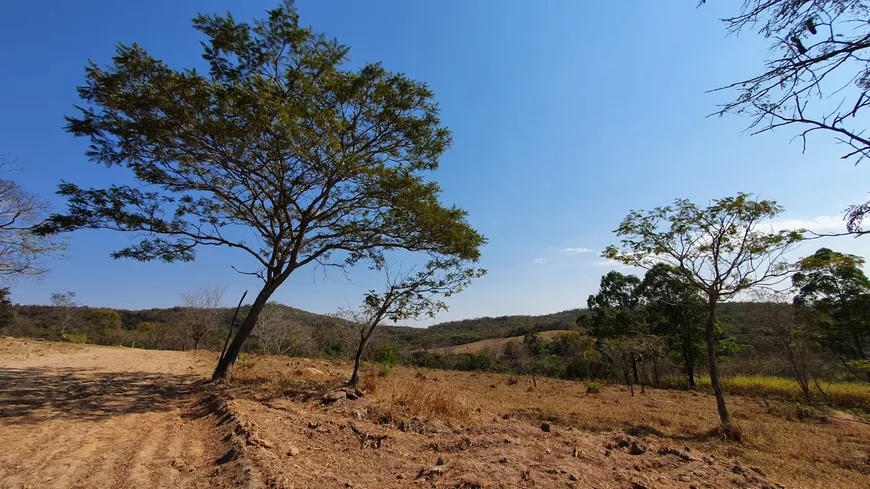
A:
{"points": [[565, 115]]}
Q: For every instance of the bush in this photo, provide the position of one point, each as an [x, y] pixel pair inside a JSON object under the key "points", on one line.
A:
{"points": [[384, 369], [75, 338], [387, 356], [593, 388], [796, 411]]}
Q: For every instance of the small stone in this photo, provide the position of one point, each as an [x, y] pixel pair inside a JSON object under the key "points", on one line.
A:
{"points": [[637, 448], [334, 396], [503, 460], [440, 461], [545, 427], [292, 451], [572, 477]]}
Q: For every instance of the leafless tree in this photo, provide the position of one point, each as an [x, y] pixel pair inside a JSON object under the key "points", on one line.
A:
{"points": [[65, 305], [791, 335], [277, 333], [816, 78], [22, 251], [201, 311]]}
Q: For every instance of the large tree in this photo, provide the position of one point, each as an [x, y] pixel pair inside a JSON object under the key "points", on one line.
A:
{"points": [[721, 250], [835, 286], [615, 310], [279, 151], [816, 78], [675, 311]]}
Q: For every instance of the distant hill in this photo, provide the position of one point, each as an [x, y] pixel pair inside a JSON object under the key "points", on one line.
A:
{"points": [[738, 319], [494, 345]]}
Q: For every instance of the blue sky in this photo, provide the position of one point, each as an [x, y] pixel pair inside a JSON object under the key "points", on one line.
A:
{"points": [[565, 116]]}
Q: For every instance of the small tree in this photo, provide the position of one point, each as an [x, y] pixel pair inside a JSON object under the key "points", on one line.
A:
{"points": [[277, 333], [201, 312], [279, 141], [65, 306], [721, 250], [408, 295], [792, 336], [835, 286]]}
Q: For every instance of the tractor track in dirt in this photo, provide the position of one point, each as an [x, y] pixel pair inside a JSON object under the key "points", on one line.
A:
{"points": [[76, 416]]}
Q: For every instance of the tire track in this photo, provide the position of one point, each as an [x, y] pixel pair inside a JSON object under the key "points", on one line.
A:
{"points": [[103, 417]]}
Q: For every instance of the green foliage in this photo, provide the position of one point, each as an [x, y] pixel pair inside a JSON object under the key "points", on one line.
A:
{"points": [[384, 369], [387, 356], [323, 163], [796, 411], [75, 338], [834, 285], [614, 311], [593, 388], [7, 313]]}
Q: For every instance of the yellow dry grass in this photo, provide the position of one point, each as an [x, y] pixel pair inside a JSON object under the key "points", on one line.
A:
{"points": [[841, 394]]}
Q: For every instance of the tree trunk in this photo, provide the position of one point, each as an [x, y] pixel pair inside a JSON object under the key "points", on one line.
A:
{"points": [[690, 372], [225, 365], [714, 368], [354, 378], [196, 343]]}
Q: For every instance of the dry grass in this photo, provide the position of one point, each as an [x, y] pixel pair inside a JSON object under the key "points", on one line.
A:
{"points": [[797, 453], [495, 345], [415, 397], [844, 395]]}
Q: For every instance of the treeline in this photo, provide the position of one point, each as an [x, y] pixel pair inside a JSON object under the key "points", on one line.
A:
{"points": [[650, 331]]}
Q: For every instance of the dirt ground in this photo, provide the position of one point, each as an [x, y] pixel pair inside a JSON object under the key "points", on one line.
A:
{"points": [[76, 416], [87, 416]]}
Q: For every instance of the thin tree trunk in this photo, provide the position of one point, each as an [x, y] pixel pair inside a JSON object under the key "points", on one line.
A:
{"points": [[656, 372], [225, 365], [354, 378], [714, 368], [690, 370]]}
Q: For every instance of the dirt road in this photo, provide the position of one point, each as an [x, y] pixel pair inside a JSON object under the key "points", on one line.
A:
{"points": [[76, 416]]}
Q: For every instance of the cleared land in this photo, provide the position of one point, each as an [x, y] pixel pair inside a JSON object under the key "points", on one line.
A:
{"points": [[76, 416], [87, 416], [494, 345]]}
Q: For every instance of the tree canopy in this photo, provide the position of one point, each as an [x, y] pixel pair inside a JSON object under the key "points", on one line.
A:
{"points": [[279, 151], [720, 250]]}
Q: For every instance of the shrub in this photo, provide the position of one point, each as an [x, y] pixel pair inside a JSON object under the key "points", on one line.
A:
{"points": [[512, 380], [75, 338], [384, 369], [796, 411], [387, 356], [593, 388]]}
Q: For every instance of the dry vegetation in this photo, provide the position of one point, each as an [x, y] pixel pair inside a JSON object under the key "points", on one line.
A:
{"points": [[491, 425], [496, 345]]}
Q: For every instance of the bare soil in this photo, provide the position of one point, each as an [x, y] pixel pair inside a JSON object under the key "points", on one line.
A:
{"points": [[85, 416], [82, 416]]}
